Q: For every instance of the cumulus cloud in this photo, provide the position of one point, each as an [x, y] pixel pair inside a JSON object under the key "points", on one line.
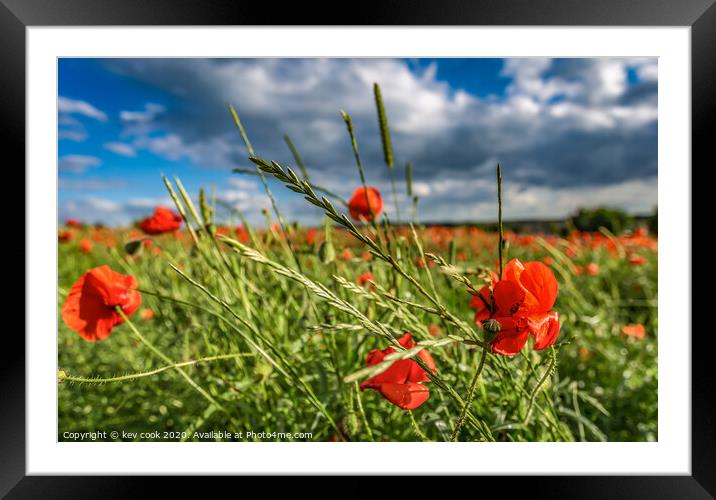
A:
{"points": [[562, 126]]}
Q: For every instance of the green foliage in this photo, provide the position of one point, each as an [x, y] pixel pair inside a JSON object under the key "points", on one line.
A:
{"points": [[591, 219]]}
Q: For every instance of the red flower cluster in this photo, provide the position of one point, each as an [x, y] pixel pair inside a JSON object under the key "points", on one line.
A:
{"points": [[365, 203], [364, 278], [401, 383], [163, 221], [520, 304], [89, 309]]}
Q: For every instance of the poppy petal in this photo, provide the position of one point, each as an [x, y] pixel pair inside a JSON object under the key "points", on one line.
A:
{"points": [[416, 373], [406, 341], [508, 297], [405, 396], [545, 328], [396, 373], [512, 337], [513, 270], [541, 286]]}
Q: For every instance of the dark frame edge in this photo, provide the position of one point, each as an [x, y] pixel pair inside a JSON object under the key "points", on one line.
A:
{"points": [[703, 124], [12, 132]]}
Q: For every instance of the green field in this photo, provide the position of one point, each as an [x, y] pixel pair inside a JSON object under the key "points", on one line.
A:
{"points": [[291, 349]]}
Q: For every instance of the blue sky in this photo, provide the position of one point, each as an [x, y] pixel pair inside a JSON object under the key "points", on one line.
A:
{"points": [[568, 132]]}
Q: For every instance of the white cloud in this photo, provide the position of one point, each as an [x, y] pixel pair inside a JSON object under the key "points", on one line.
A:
{"points": [[91, 209], [73, 106], [77, 164], [150, 112], [76, 134], [121, 148]]}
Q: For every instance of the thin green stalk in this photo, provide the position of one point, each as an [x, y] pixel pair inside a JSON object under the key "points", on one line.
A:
{"points": [[316, 187], [416, 428], [354, 143], [387, 146], [361, 411], [297, 157], [545, 376], [470, 396], [274, 205], [499, 215], [134, 376]]}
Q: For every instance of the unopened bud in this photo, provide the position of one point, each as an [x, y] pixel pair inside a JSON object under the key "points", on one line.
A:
{"points": [[326, 252], [492, 326]]}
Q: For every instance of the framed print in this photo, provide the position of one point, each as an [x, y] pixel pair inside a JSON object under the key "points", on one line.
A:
{"points": [[457, 235]]}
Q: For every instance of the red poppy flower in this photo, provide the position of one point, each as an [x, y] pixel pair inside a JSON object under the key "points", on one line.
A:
{"points": [[637, 260], [520, 303], [592, 269], [73, 223], [346, 254], [637, 331], [65, 236], [311, 235], [365, 203], [242, 234], [401, 382], [146, 314], [364, 278], [89, 309], [85, 245], [162, 221]]}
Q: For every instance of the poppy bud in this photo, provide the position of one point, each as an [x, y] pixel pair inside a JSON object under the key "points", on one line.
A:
{"points": [[491, 327], [326, 252], [61, 375]]}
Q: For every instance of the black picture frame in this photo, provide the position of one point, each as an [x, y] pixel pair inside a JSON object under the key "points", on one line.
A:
{"points": [[700, 15]]}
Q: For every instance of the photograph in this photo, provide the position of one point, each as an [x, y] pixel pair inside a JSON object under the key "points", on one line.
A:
{"points": [[357, 249]]}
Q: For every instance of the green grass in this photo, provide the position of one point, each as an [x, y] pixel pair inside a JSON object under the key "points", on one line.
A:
{"points": [[307, 346]]}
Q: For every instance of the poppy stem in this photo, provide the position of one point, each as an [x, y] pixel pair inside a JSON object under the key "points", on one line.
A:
{"points": [[545, 376], [361, 411], [499, 215], [359, 165], [470, 396], [416, 428], [134, 376], [168, 360]]}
